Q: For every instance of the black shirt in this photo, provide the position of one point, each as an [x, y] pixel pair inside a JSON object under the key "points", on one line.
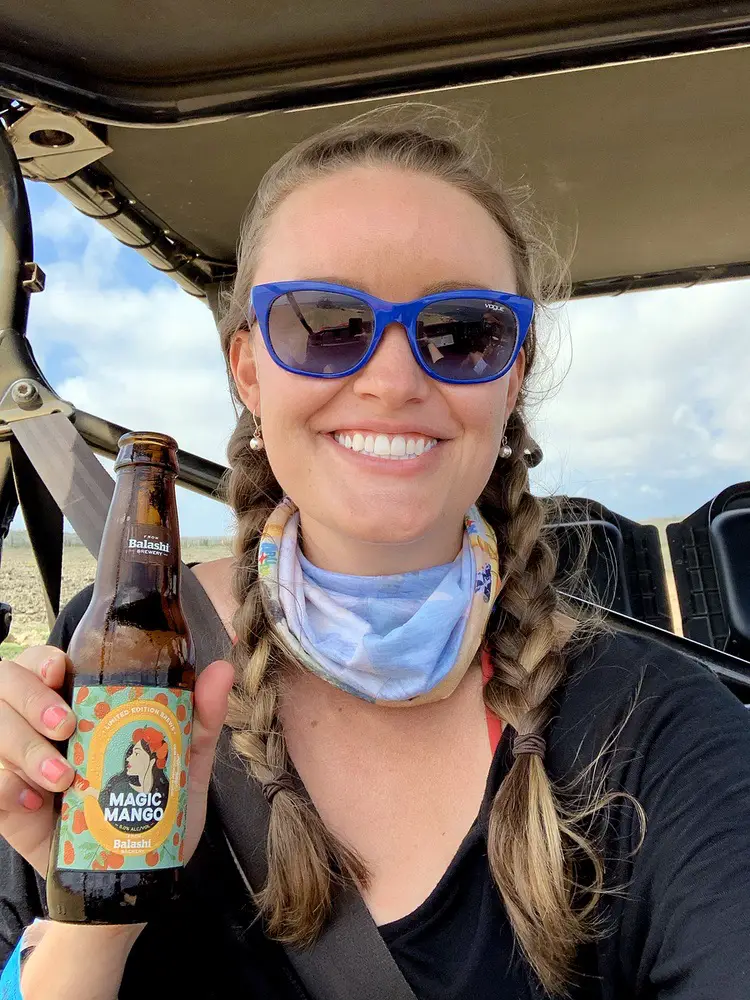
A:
{"points": [[678, 929]]}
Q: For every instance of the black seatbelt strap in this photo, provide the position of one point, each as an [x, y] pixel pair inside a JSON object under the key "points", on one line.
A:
{"points": [[350, 958]]}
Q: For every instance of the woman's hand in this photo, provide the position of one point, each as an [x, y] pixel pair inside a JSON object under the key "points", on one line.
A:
{"points": [[33, 717]]}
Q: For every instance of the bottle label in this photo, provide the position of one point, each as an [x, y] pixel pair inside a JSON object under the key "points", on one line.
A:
{"points": [[126, 808]]}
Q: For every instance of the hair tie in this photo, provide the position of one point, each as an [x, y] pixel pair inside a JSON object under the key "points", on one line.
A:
{"points": [[282, 783], [529, 743]]}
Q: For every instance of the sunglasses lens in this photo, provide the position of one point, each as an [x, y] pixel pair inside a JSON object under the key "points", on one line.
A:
{"points": [[467, 339], [320, 333]]}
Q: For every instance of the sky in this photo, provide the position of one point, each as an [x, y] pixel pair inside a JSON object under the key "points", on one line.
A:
{"points": [[642, 402]]}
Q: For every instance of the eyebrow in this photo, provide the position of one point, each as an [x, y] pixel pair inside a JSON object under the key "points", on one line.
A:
{"points": [[433, 289]]}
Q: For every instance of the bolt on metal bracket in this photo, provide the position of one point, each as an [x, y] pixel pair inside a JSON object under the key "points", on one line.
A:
{"points": [[52, 145], [25, 399]]}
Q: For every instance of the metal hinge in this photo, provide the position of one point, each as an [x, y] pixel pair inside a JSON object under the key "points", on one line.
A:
{"points": [[51, 145], [26, 398]]}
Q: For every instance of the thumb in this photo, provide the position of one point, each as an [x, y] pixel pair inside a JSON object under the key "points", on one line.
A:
{"points": [[211, 700]]}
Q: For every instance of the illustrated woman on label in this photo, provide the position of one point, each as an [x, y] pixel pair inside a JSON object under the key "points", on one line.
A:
{"points": [[513, 796], [146, 760], [135, 799]]}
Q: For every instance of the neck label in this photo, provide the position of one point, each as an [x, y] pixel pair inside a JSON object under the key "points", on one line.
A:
{"points": [[148, 544]]}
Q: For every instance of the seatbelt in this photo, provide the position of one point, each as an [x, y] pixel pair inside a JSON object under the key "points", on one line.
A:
{"points": [[349, 958], [80, 485], [44, 524]]}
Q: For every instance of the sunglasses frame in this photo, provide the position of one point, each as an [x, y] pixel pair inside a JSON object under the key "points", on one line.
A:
{"points": [[405, 314]]}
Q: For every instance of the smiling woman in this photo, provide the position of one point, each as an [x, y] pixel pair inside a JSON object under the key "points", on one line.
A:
{"points": [[444, 740], [400, 215], [448, 240]]}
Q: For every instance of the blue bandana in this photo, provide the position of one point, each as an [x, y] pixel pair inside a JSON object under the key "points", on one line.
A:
{"points": [[398, 640]]}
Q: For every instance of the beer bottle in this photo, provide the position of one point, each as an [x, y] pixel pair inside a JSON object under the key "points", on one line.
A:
{"points": [[117, 850]]}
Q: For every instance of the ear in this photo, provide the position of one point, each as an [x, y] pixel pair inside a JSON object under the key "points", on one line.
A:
{"points": [[244, 369], [515, 381]]}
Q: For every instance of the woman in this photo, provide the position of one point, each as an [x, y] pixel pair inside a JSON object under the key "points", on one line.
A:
{"points": [[524, 800]]}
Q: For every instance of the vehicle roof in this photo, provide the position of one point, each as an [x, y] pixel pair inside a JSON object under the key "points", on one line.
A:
{"points": [[629, 120]]}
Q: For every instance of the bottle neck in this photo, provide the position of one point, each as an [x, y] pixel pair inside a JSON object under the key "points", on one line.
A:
{"points": [[140, 550]]}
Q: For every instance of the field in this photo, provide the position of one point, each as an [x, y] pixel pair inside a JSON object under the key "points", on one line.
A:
{"points": [[20, 586]]}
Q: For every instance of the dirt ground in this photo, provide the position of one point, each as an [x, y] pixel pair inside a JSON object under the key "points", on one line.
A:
{"points": [[20, 586]]}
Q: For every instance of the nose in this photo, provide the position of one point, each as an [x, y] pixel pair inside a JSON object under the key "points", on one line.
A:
{"points": [[392, 373]]}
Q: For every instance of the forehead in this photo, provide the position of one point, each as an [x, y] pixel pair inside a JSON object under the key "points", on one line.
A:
{"points": [[388, 231]]}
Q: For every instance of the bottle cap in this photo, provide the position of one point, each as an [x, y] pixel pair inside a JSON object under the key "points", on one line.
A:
{"points": [[147, 448]]}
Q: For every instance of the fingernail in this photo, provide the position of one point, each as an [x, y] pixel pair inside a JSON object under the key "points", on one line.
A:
{"points": [[30, 799], [53, 769], [54, 716], [45, 666]]}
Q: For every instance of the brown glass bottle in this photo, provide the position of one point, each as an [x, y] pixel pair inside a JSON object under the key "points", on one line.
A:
{"points": [[116, 853]]}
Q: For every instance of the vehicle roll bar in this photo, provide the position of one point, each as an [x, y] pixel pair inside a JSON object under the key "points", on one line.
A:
{"points": [[31, 410]]}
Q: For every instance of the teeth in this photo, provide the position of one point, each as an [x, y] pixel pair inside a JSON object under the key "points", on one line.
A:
{"points": [[383, 446]]}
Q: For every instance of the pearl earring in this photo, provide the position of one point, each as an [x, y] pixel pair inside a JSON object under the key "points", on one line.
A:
{"points": [[256, 441], [505, 449]]}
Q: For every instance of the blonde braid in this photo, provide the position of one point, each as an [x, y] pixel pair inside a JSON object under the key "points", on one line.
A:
{"points": [[533, 845], [305, 861]]}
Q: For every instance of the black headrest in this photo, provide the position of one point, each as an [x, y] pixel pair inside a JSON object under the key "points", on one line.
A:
{"points": [[730, 544], [623, 567], [710, 551]]}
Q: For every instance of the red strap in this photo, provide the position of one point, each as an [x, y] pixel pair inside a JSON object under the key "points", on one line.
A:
{"points": [[494, 725]]}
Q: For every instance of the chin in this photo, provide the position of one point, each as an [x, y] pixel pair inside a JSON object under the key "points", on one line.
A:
{"points": [[391, 523]]}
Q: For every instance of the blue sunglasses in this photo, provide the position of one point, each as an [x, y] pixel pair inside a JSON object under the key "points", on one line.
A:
{"points": [[331, 331]]}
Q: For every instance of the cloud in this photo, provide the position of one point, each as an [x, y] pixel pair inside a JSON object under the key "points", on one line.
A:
{"points": [[144, 358], [60, 222], [140, 353], [658, 389]]}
